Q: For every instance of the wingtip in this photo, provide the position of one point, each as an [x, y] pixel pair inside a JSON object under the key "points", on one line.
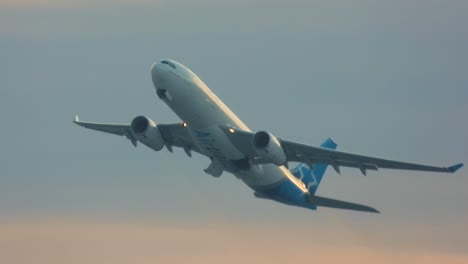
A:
{"points": [[77, 119], [454, 168]]}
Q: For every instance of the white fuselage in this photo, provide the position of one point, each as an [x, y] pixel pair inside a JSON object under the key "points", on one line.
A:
{"points": [[203, 112]]}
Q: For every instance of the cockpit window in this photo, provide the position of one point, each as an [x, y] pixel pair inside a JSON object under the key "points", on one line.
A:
{"points": [[168, 63]]}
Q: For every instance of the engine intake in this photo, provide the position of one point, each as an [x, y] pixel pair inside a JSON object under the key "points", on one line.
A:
{"points": [[140, 124], [268, 147], [146, 131], [261, 139]]}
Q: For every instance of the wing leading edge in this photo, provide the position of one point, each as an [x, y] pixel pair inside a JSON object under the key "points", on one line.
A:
{"points": [[173, 134], [296, 152]]}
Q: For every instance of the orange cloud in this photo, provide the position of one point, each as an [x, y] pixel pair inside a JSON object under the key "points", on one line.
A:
{"points": [[69, 242]]}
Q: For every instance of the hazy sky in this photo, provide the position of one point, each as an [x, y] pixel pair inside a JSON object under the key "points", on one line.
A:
{"points": [[388, 79]]}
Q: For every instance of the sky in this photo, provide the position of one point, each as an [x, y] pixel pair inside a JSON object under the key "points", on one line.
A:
{"points": [[382, 78]]}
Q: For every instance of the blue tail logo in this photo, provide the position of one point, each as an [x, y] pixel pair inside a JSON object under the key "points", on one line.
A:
{"points": [[313, 177]]}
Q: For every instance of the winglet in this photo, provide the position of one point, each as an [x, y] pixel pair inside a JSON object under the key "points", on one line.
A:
{"points": [[77, 119], [454, 168]]}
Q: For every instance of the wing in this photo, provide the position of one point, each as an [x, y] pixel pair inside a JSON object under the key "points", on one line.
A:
{"points": [[173, 134], [312, 155]]}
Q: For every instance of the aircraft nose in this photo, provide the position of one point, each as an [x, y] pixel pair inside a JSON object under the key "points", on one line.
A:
{"points": [[153, 67], [162, 71], [157, 73]]}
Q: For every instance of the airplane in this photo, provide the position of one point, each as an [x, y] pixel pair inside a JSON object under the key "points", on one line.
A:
{"points": [[259, 159]]}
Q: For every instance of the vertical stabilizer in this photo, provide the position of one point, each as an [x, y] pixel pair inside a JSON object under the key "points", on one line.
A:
{"points": [[313, 177]]}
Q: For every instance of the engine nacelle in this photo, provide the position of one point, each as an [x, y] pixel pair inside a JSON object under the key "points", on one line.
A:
{"points": [[268, 147], [146, 131]]}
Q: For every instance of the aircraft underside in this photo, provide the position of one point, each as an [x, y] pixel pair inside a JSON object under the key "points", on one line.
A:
{"points": [[260, 159]]}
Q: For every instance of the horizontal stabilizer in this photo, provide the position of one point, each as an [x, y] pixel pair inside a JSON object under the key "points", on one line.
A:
{"points": [[454, 168], [332, 203]]}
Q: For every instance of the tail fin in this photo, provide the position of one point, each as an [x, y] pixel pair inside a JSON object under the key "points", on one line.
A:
{"points": [[313, 177]]}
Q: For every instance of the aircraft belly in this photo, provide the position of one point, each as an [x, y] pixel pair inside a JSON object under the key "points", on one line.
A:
{"points": [[214, 143], [194, 103], [276, 184], [270, 177]]}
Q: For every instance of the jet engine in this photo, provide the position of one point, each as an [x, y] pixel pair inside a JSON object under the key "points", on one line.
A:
{"points": [[146, 131], [268, 147]]}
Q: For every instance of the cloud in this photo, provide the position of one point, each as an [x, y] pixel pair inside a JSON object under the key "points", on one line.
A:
{"points": [[101, 242]]}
